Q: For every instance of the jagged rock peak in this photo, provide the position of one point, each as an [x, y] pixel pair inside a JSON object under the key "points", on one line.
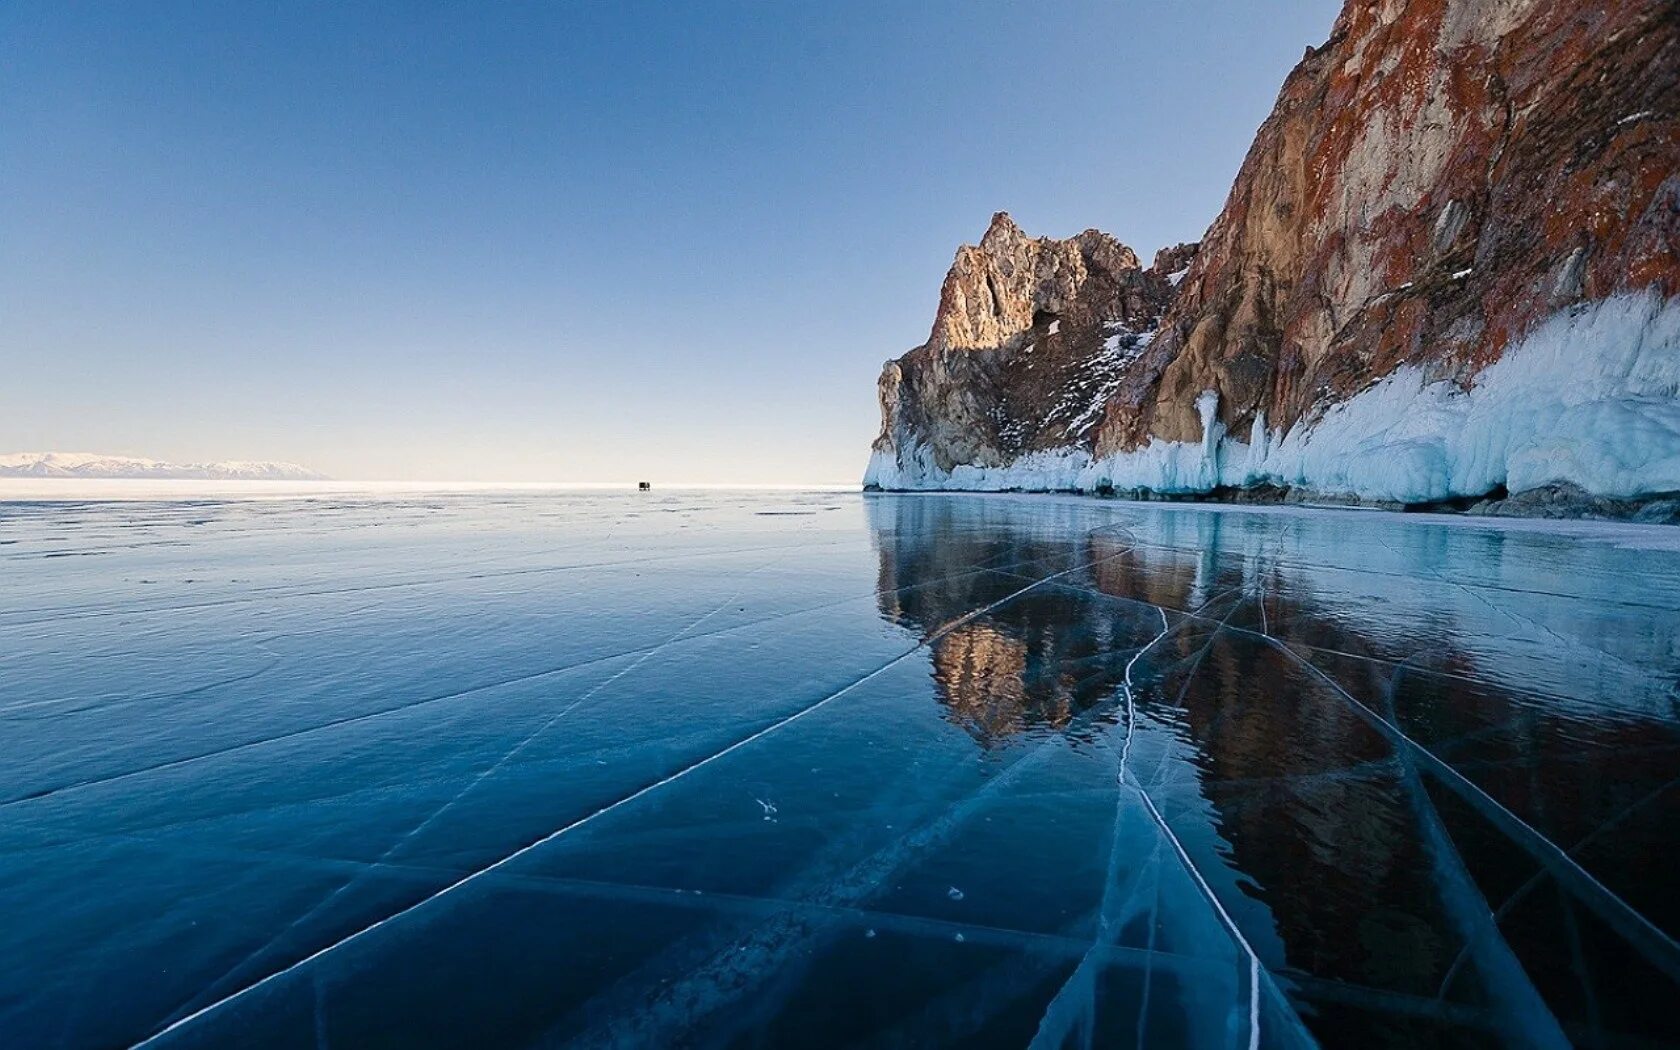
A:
{"points": [[1029, 339], [1002, 228], [995, 290]]}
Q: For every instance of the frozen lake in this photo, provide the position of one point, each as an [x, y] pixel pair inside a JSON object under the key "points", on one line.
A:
{"points": [[526, 768]]}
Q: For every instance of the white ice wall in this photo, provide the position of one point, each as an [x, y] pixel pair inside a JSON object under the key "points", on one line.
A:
{"points": [[1591, 397]]}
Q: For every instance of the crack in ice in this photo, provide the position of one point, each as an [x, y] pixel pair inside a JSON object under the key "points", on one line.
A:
{"points": [[623, 801], [456, 694], [1646, 937], [485, 774]]}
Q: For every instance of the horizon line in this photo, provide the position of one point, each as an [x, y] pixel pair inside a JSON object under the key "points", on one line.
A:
{"points": [[72, 480]]}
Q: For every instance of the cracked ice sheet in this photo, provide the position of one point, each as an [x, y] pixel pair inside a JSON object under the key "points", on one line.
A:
{"points": [[409, 789], [269, 671], [1546, 671], [1492, 671], [350, 791], [884, 853], [851, 863], [1289, 789], [1584, 676], [281, 566], [1543, 761], [464, 649]]}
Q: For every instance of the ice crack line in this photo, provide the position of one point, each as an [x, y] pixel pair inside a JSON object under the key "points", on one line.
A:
{"points": [[453, 694], [1077, 993], [1126, 687], [1522, 892], [420, 829], [1254, 967], [1051, 1030], [1645, 936], [280, 592], [479, 873], [723, 980]]}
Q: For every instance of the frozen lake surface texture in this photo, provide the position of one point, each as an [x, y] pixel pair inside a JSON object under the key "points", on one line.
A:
{"points": [[822, 769]]}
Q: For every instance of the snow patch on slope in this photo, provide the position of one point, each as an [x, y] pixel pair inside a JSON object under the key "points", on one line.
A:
{"points": [[1082, 402], [1591, 397]]}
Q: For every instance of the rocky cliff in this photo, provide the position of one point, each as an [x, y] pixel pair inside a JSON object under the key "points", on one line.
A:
{"points": [[1031, 338], [1448, 267]]}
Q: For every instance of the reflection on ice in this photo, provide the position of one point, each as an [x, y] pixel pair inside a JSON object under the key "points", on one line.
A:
{"points": [[826, 770], [1309, 706]]}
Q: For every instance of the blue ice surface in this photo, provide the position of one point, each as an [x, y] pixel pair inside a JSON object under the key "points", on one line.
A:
{"points": [[683, 768]]}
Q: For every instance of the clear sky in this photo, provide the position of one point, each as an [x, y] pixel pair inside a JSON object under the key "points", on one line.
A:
{"points": [[569, 241]]}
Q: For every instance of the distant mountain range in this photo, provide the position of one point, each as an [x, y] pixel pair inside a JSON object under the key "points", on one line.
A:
{"points": [[95, 465]]}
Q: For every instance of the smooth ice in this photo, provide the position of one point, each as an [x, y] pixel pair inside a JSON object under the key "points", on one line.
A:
{"points": [[564, 768]]}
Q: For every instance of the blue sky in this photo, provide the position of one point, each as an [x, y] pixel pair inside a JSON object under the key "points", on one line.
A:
{"points": [[563, 241]]}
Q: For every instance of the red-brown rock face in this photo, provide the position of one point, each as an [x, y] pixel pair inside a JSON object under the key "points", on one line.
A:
{"points": [[1435, 180], [1435, 183]]}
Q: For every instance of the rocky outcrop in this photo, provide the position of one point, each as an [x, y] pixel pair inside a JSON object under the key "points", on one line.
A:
{"points": [[1448, 264], [1029, 341]]}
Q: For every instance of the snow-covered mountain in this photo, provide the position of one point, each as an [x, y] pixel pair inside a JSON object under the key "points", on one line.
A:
{"points": [[95, 465]]}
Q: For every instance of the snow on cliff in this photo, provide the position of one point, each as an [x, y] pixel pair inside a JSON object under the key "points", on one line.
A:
{"points": [[1588, 399]]}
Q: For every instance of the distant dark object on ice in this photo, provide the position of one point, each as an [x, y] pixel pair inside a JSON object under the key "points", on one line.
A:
{"points": [[643, 486]]}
